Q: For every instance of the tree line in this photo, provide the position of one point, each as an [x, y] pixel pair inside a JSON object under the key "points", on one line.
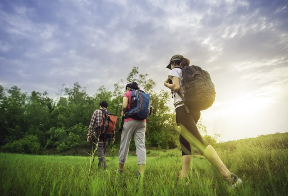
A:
{"points": [[35, 123]]}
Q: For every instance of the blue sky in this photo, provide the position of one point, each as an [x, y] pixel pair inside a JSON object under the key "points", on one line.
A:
{"points": [[243, 44]]}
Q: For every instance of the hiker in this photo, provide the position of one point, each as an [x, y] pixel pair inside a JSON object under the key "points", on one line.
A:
{"points": [[133, 126], [100, 131], [187, 118]]}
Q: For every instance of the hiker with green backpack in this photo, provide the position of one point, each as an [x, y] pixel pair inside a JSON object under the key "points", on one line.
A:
{"points": [[193, 91]]}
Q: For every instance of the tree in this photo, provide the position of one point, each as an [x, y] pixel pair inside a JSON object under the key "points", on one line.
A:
{"points": [[212, 140], [42, 123], [12, 112], [38, 115], [79, 105]]}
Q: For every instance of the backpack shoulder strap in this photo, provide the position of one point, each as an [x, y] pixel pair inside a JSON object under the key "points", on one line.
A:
{"points": [[109, 113], [105, 121], [133, 92], [104, 112], [104, 115]]}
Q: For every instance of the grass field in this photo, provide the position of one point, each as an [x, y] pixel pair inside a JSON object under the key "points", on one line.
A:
{"points": [[264, 171]]}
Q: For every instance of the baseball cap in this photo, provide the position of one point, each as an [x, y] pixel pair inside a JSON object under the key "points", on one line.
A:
{"points": [[176, 57]]}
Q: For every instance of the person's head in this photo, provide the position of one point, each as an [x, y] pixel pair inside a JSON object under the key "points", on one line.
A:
{"points": [[128, 87], [103, 104], [134, 86], [178, 61]]}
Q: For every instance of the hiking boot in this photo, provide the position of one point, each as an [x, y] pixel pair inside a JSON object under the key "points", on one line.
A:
{"points": [[102, 164], [235, 181]]}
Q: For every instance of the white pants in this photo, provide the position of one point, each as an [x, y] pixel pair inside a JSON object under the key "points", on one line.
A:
{"points": [[137, 129]]}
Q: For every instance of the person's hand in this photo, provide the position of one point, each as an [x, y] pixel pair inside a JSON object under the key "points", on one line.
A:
{"points": [[167, 81], [121, 113], [88, 139], [112, 140]]}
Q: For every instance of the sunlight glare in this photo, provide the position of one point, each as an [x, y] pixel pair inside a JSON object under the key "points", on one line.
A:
{"points": [[243, 105]]}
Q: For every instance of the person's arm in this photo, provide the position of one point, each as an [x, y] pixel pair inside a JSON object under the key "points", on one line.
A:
{"points": [[175, 86], [124, 105], [91, 125], [95, 121]]}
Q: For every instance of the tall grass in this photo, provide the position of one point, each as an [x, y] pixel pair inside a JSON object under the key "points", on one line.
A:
{"points": [[264, 172]]}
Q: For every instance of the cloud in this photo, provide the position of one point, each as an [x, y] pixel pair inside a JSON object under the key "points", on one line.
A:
{"points": [[80, 38], [243, 44]]}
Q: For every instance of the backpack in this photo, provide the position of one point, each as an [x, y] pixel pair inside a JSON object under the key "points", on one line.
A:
{"points": [[140, 105], [107, 125], [199, 90]]}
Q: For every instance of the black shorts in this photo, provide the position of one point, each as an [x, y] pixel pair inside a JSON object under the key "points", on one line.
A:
{"points": [[189, 121]]}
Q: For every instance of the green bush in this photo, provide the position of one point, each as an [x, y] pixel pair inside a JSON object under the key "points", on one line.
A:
{"points": [[29, 144], [62, 147]]}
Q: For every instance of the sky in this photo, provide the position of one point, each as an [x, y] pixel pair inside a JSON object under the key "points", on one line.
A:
{"points": [[242, 44]]}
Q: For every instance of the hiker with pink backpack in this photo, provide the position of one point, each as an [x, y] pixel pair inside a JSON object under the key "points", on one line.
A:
{"points": [[193, 91]]}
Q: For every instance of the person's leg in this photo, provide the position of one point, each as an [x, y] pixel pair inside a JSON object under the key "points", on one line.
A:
{"points": [[100, 151], [212, 156], [139, 138], [186, 156], [195, 139], [126, 135], [105, 141], [186, 160], [181, 116], [210, 153]]}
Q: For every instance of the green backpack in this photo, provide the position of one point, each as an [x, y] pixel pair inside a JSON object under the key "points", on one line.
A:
{"points": [[199, 90]]}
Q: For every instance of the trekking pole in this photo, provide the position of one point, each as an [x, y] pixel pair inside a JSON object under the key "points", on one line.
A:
{"points": [[121, 125], [93, 154]]}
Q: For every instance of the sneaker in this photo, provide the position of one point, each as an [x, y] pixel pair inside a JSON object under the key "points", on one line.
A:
{"points": [[185, 180], [139, 175], [235, 180], [118, 171]]}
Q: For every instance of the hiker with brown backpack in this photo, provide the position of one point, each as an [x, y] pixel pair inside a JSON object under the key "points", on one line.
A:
{"points": [[101, 130], [193, 91]]}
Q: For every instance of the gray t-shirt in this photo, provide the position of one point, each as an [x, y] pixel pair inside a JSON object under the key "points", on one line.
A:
{"points": [[177, 72]]}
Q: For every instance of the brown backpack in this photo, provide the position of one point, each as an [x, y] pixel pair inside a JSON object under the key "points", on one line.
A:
{"points": [[107, 125]]}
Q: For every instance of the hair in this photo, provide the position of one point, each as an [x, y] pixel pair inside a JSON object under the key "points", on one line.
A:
{"points": [[183, 62], [134, 86], [103, 104], [128, 86]]}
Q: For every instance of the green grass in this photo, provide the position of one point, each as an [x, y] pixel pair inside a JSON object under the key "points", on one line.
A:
{"points": [[263, 171]]}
